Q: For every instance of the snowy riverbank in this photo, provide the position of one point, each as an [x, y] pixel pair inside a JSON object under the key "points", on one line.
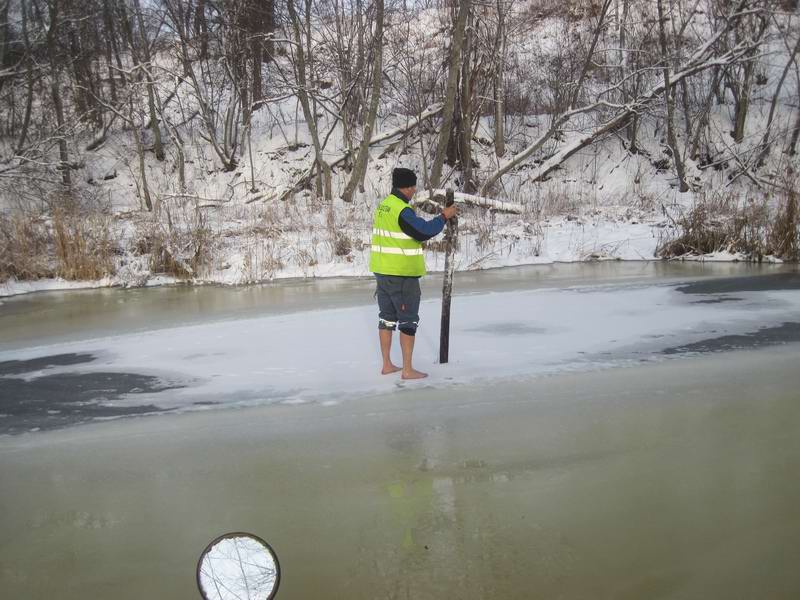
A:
{"points": [[492, 241]]}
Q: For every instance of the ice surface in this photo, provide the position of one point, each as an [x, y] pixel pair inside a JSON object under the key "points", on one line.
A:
{"points": [[331, 355]]}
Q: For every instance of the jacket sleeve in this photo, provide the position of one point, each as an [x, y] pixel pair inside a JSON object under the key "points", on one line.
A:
{"points": [[418, 228]]}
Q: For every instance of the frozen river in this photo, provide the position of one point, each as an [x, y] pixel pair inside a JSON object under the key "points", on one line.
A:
{"points": [[78, 357], [534, 465]]}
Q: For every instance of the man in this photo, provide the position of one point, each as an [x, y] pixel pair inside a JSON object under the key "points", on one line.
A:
{"points": [[397, 262]]}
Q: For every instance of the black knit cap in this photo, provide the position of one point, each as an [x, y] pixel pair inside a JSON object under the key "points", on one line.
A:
{"points": [[403, 178]]}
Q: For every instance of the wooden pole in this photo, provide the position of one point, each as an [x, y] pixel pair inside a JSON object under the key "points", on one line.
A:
{"points": [[451, 233]]}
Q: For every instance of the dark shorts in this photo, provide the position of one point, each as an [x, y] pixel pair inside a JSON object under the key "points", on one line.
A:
{"points": [[398, 303]]}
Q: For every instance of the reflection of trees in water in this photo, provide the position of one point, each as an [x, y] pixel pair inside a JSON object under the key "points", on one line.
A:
{"points": [[238, 568]]}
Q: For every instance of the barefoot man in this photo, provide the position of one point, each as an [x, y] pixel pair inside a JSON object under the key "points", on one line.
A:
{"points": [[398, 263]]}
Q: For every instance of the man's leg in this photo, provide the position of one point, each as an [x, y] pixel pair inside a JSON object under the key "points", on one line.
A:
{"points": [[408, 318], [407, 346], [385, 336], [387, 321]]}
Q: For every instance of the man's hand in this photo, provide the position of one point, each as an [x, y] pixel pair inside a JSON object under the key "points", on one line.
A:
{"points": [[450, 211]]}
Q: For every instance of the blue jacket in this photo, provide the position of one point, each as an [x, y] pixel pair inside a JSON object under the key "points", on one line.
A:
{"points": [[417, 227]]}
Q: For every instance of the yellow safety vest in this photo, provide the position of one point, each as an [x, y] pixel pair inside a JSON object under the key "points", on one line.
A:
{"points": [[394, 252]]}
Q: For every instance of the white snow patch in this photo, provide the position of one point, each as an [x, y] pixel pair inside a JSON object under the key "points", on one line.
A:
{"points": [[327, 356]]}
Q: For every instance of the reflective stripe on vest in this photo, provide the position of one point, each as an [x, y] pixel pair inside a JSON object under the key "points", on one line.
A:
{"points": [[391, 234], [402, 251], [393, 252]]}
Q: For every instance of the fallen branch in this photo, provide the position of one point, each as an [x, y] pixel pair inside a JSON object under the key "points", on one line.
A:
{"points": [[472, 200], [195, 197], [306, 178]]}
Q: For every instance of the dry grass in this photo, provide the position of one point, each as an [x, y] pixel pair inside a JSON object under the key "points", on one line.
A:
{"points": [[262, 258], [179, 241], [24, 248], [84, 249], [440, 245], [74, 245], [699, 234], [342, 246], [784, 236], [751, 230]]}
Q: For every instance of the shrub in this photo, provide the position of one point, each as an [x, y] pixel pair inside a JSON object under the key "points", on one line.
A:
{"points": [[783, 236], [83, 246], [343, 246], [182, 247], [24, 248], [750, 230]]}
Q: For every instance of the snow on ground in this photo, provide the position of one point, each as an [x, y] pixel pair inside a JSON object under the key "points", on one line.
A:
{"points": [[485, 242], [328, 356]]}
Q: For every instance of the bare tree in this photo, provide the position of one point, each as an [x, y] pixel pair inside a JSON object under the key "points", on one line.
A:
{"points": [[766, 141], [140, 53], [559, 119], [703, 58], [454, 67], [218, 109], [54, 57], [669, 99], [360, 165], [499, 80], [302, 42], [739, 76]]}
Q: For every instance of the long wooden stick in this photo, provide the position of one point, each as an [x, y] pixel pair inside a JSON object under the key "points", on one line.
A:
{"points": [[447, 288]]}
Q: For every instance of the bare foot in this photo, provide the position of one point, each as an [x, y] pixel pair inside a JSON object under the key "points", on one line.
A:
{"points": [[413, 374], [390, 368]]}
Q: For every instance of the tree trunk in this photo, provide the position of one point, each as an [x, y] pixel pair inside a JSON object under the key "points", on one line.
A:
{"points": [[116, 46], [765, 142], [26, 120], [201, 28], [697, 63], [55, 92], [4, 35], [360, 166], [466, 114], [109, 50], [631, 131], [559, 119], [792, 150], [743, 97], [387, 135], [742, 104], [140, 154], [151, 103], [63, 151], [261, 18], [303, 97], [499, 82], [703, 120], [450, 94], [80, 51], [211, 135], [669, 98]]}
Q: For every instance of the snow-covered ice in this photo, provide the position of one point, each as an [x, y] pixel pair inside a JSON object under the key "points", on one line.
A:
{"points": [[330, 355]]}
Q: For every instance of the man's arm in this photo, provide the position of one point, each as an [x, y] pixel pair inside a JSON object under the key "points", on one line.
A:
{"points": [[418, 228]]}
